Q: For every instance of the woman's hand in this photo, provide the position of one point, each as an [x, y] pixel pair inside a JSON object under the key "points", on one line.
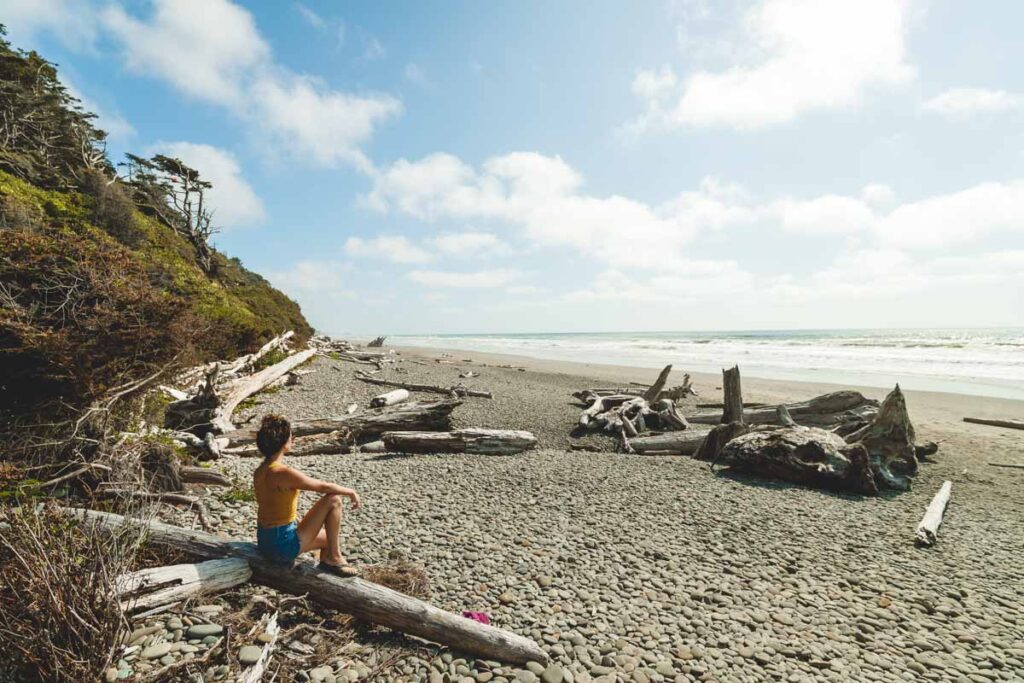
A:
{"points": [[354, 498]]}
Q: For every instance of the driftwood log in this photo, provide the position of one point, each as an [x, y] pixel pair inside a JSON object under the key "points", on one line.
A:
{"points": [[889, 440], [426, 416], [390, 398], [203, 475], [454, 391], [376, 343], [271, 628], [243, 388], [1008, 424], [473, 440], [147, 588], [805, 455], [825, 410], [684, 442], [363, 599], [928, 530], [732, 403], [732, 424]]}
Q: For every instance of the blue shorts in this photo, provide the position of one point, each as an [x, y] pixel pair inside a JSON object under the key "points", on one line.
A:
{"points": [[279, 543]]}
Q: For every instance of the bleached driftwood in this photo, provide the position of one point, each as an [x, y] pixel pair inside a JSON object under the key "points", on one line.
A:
{"points": [[255, 672], [1008, 424], [390, 398], [684, 442], [457, 390], [243, 388], [889, 440], [365, 600], [247, 362], [148, 588], [732, 423], [825, 410], [118, 491], [425, 416], [203, 475], [473, 440], [928, 529]]}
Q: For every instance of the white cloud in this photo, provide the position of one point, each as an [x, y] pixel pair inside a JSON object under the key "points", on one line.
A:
{"points": [[25, 18], [808, 55], [826, 214], [878, 195], [312, 277], [233, 200], [462, 243], [205, 48], [213, 51], [482, 279], [962, 102], [414, 74], [311, 17], [396, 249]]}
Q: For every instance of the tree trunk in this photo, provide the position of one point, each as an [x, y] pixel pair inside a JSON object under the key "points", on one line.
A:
{"points": [[454, 391], [716, 439], [928, 529], [675, 443], [827, 409], [1008, 424], [148, 588], [243, 388], [473, 440], [389, 399], [889, 440], [363, 599], [427, 416], [732, 403], [651, 395]]}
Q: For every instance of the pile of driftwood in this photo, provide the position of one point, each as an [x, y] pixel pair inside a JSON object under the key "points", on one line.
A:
{"points": [[339, 349]]}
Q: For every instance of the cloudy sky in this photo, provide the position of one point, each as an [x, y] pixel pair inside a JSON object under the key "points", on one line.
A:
{"points": [[583, 166]]}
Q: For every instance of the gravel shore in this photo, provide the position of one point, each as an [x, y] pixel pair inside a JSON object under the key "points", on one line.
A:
{"points": [[632, 568]]}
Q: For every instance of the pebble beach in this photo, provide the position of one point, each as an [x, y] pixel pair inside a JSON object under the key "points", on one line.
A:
{"points": [[641, 568]]}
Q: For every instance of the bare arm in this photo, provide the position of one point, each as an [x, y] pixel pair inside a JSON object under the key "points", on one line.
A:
{"points": [[293, 479]]}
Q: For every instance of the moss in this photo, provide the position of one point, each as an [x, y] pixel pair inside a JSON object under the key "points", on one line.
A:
{"points": [[241, 495]]}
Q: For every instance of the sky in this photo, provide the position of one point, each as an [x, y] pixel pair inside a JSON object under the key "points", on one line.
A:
{"points": [[474, 167]]}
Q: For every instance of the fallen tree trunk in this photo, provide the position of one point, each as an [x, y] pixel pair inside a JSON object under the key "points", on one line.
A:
{"points": [[248, 361], [432, 416], [889, 440], [1008, 424], [203, 475], [805, 455], [474, 440], [828, 409], [148, 588], [243, 388], [363, 599], [457, 390], [928, 529], [712, 444], [684, 442], [389, 399]]}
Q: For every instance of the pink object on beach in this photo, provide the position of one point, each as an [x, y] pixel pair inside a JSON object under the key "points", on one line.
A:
{"points": [[477, 616]]}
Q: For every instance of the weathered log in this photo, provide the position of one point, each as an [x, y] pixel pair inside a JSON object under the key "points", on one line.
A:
{"points": [[168, 498], [889, 440], [715, 440], [720, 405], [804, 455], [376, 343], [243, 388], [732, 402], [427, 416], [148, 588], [473, 440], [827, 409], [651, 395], [255, 672], [1008, 424], [390, 398], [684, 442], [203, 475], [928, 529], [784, 418], [363, 599], [248, 361], [1010, 465], [457, 390]]}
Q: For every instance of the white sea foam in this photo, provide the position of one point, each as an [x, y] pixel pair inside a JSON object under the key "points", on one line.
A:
{"points": [[986, 362]]}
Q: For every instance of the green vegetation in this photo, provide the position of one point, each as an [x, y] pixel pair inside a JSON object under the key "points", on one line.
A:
{"points": [[105, 281]]}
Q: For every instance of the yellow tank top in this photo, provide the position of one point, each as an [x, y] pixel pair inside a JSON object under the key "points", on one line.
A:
{"points": [[274, 506]]}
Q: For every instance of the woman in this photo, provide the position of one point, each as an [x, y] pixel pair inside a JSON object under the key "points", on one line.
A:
{"points": [[277, 487]]}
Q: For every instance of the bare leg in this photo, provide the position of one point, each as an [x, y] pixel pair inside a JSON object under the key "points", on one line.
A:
{"points": [[319, 529]]}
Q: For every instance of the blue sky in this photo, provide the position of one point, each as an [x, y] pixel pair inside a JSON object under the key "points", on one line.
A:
{"points": [[583, 166]]}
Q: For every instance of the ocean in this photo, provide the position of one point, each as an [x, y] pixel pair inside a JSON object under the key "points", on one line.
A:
{"points": [[981, 362]]}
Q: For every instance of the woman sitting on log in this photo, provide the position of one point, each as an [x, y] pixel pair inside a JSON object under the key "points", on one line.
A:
{"points": [[277, 486]]}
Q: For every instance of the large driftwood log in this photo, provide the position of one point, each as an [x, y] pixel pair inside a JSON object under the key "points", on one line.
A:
{"points": [[363, 599], [203, 475], [732, 403], [713, 443], [243, 388], [928, 530], [426, 416], [473, 440], [148, 588], [457, 390], [1008, 424], [247, 362], [390, 398], [684, 442], [889, 440], [804, 455], [828, 409], [652, 393]]}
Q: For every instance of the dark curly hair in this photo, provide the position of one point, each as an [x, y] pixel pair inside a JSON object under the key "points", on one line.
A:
{"points": [[274, 433]]}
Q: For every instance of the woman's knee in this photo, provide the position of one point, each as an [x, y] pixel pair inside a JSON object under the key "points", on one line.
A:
{"points": [[334, 500]]}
